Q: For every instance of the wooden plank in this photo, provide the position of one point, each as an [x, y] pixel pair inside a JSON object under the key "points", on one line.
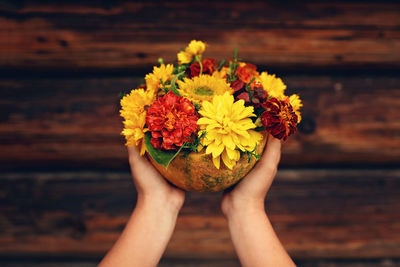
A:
{"points": [[207, 263], [75, 36], [64, 123], [331, 214]]}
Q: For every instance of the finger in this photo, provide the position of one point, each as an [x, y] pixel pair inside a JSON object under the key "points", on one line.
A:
{"points": [[133, 152], [271, 155], [273, 151], [134, 157]]}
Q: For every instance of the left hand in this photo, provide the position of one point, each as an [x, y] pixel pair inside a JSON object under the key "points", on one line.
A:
{"points": [[149, 183]]}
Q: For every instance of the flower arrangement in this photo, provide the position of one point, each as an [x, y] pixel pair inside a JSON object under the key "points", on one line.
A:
{"points": [[197, 112]]}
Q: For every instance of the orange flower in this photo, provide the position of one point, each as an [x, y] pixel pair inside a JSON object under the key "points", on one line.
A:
{"points": [[171, 120], [279, 119], [246, 71]]}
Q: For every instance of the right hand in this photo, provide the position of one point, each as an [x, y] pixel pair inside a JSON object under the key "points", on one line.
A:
{"points": [[250, 192]]}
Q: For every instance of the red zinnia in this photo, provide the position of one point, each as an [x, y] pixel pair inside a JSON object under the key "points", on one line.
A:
{"points": [[171, 120], [279, 118], [208, 67]]}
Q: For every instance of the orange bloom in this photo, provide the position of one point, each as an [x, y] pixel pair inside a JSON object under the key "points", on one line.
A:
{"points": [[246, 71], [171, 120]]}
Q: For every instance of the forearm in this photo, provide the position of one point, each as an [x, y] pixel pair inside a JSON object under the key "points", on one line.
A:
{"points": [[145, 236], [255, 240]]}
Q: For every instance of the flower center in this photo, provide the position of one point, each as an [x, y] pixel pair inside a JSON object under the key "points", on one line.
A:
{"points": [[203, 90], [169, 124], [285, 114], [225, 126]]}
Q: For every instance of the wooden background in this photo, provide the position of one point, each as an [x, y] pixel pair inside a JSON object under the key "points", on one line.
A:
{"points": [[65, 189]]}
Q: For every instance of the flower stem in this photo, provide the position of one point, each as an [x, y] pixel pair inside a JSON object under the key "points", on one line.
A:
{"points": [[197, 58]]}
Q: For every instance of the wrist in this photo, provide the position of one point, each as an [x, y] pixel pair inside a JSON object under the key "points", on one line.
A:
{"points": [[234, 207], [170, 202]]}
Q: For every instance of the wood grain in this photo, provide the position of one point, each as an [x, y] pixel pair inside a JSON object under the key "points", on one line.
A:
{"points": [[74, 123], [65, 191], [204, 263], [331, 214], [86, 36]]}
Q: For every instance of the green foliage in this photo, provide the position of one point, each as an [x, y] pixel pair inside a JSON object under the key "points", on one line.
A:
{"points": [[197, 59], [259, 129], [192, 146], [197, 106], [233, 65], [250, 154], [160, 60], [173, 87], [180, 68], [249, 91], [258, 111], [162, 157], [121, 95], [221, 64]]}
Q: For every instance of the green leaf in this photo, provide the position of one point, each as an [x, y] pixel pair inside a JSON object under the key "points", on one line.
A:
{"points": [[197, 106], [235, 54], [173, 83], [162, 157], [259, 129], [221, 64], [180, 68]]}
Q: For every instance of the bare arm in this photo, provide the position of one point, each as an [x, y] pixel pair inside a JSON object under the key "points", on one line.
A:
{"points": [[146, 235], [252, 235]]}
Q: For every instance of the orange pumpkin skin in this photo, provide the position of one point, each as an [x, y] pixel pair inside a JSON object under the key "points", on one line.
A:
{"points": [[197, 173]]}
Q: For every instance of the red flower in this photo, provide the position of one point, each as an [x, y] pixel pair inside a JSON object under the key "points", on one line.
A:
{"points": [[257, 92], [246, 72], [208, 67], [237, 85], [279, 118], [171, 120]]}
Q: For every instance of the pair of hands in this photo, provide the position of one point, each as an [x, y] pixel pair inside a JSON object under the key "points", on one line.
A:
{"points": [[248, 193], [150, 227]]}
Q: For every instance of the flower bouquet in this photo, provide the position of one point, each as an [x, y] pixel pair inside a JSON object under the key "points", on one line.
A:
{"points": [[204, 124]]}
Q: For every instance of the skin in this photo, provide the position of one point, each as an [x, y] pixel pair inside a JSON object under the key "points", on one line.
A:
{"points": [[150, 227], [146, 235], [253, 237]]}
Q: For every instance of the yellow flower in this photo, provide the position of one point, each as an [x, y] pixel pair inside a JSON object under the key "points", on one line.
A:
{"points": [[184, 57], [133, 110], [274, 86], [195, 48], [228, 127], [296, 103], [203, 87], [221, 73], [162, 73]]}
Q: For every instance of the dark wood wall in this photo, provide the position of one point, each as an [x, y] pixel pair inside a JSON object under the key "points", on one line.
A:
{"points": [[65, 189]]}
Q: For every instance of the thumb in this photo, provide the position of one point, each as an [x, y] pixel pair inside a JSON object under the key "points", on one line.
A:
{"points": [[272, 152], [268, 163]]}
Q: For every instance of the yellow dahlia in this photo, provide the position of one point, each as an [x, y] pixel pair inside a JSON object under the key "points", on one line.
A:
{"points": [[133, 110], [273, 85], [195, 48], [296, 104], [203, 87], [162, 73], [228, 127]]}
